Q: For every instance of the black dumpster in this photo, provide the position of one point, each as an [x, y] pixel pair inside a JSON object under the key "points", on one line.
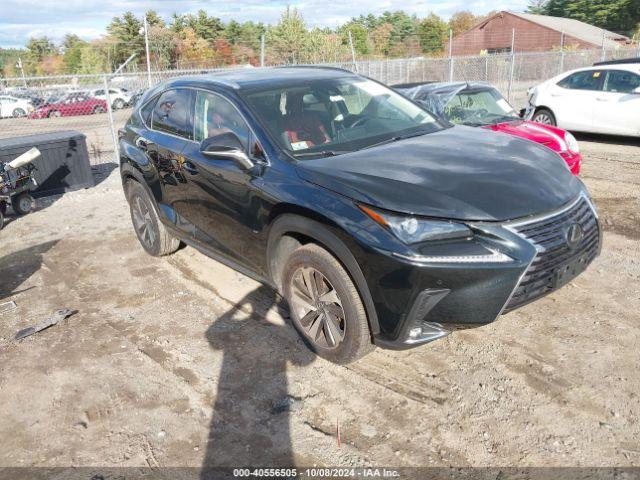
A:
{"points": [[64, 164]]}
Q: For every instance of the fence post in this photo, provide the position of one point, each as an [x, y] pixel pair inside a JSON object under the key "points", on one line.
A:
{"points": [[603, 55], [451, 55], [353, 53], [561, 54], [114, 136], [262, 50], [513, 64]]}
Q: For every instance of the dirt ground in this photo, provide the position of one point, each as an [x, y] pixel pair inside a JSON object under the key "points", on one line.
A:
{"points": [[179, 361]]}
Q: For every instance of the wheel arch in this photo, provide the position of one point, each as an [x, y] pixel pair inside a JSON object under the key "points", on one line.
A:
{"points": [[293, 226]]}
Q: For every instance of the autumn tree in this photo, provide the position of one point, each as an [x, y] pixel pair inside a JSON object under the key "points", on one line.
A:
{"points": [[433, 32], [462, 21]]}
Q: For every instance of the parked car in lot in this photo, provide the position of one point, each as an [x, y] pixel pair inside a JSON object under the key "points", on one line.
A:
{"points": [[479, 104], [120, 97], [377, 221], [11, 106], [600, 99], [68, 105]]}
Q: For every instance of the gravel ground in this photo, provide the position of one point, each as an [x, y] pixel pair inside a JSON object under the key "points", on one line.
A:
{"points": [[179, 361]]}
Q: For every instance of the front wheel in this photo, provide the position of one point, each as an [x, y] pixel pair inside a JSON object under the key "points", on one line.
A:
{"points": [[545, 117], [22, 204], [19, 112], [326, 308], [98, 109], [151, 233], [118, 104]]}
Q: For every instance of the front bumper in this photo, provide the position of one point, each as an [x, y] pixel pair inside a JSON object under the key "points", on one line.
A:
{"points": [[418, 303]]}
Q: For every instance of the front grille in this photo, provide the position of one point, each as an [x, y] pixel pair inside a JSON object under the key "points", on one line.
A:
{"points": [[549, 235]]}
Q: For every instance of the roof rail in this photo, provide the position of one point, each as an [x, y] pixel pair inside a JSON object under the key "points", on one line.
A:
{"points": [[319, 67], [624, 61]]}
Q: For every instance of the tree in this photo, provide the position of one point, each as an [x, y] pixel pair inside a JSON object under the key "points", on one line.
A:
{"points": [[124, 34], [381, 37], [72, 46], [536, 6], [462, 21], [202, 25], [615, 15], [288, 37], [194, 51], [360, 36], [433, 32], [403, 25]]}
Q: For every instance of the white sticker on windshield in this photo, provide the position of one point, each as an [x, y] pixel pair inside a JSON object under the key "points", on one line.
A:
{"points": [[336, 98], [299, 145], [372, 88], [504, 105]]}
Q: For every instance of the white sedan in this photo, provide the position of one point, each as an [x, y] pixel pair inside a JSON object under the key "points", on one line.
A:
{"points": [[120, 97], [14, 106], [599, 99]]}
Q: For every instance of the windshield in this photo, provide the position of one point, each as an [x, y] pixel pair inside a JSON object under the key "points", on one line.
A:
{"points": [[479, 107], [338, 116]]}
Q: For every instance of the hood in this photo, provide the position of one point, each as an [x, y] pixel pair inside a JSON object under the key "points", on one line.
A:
{"points": [[546, 135], [460, 173]]}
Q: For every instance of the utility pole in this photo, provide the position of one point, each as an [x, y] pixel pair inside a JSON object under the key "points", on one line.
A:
{"points": [[21, 67], [451, 55], [262, 50], [353, 53], [146, 47], [561, 53], [513, 64]]}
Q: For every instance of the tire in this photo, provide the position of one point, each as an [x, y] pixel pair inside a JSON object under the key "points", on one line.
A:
{"points": [[19, 112], [98, 109], [118, 104], [1, 220], [3, 207], [327, 313], [22, 204], [54, 113], [151, 233], [545, 117]]}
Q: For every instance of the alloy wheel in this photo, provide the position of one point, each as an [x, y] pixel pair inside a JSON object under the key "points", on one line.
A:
{"points": [[143, 222], [25, 203], [543, 118], [319, 308]]}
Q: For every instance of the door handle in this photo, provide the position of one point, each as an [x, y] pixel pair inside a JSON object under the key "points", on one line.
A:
{"points": [[190, 167], [600, 99]]}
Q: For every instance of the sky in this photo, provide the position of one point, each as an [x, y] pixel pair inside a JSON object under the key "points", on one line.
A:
{"points": [[23, 19]]}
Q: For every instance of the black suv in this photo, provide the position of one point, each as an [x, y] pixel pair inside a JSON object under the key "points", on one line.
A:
{"points": [[378, 223]]}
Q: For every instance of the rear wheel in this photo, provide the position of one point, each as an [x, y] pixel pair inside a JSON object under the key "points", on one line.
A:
{"points": [[22, 204], [326, 308], [545, 116], [98, 109], [151, 233], [54, 113], [118, 104], [1, 220], [3, 207], [19, 112]]}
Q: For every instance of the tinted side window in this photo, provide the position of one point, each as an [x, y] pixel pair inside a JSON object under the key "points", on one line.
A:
{"points": [[619, 81], [172, 113], [147, 110], [590, 80], [215, 115]]}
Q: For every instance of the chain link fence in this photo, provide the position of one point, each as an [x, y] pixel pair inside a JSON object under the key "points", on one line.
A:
{"points": [[98, 105]]}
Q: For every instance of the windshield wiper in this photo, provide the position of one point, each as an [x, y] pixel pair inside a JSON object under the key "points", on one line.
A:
{"points": [[394, 139], [321, 153]]}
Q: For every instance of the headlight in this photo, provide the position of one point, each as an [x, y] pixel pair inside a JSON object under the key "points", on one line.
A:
{"points": [[572, 143], [412, 230]]}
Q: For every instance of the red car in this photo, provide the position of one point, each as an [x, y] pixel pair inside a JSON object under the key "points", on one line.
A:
{"points": [[482, 105], [70, 104]]}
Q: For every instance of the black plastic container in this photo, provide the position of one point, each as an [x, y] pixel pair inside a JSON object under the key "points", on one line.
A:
{"points": [[64, 165]]}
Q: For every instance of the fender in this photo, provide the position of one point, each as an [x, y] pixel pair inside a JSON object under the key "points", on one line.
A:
{"points": [[291, 223]]}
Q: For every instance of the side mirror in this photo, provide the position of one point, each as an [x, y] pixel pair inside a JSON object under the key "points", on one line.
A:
{"points": [[226, 145]]}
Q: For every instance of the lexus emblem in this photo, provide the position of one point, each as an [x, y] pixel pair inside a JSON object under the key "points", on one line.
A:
{"points": [[574, 235]]}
